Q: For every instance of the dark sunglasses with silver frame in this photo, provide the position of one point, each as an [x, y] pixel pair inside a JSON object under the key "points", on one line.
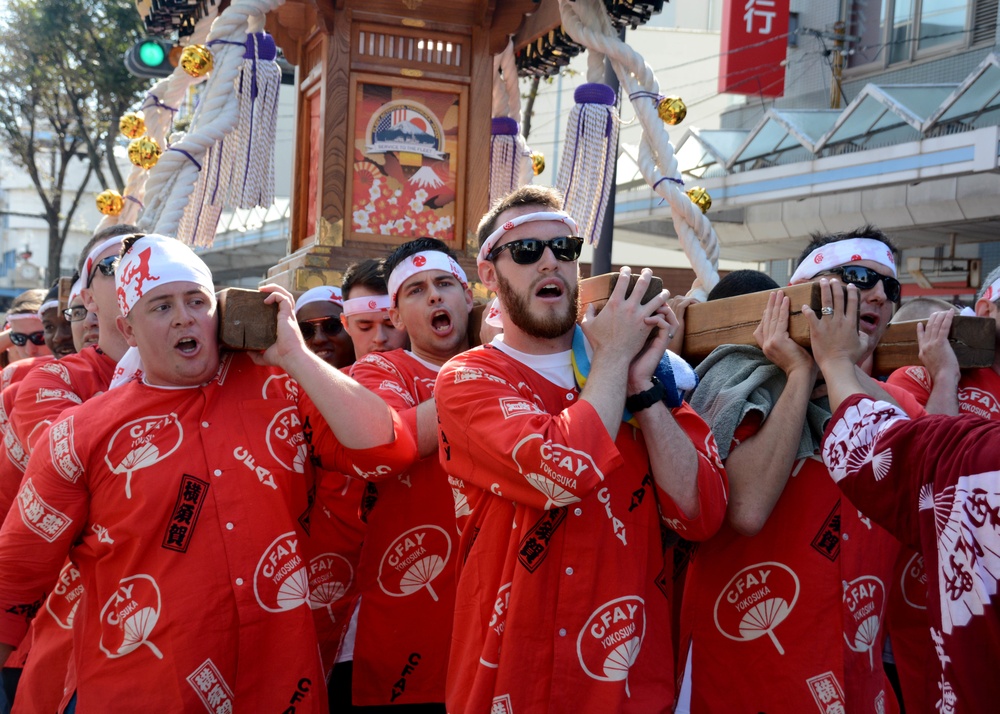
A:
{"points": [[529, 250], [865, 279], [106, 266]]}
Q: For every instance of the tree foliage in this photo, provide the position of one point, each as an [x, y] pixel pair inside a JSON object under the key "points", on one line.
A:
{"points": [[63, 86]]}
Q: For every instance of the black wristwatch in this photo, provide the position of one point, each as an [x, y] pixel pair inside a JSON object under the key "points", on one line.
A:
{"points": [[646, 399]]}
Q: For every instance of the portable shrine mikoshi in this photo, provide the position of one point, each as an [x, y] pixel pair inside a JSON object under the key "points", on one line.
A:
{"points": [[407, 125]]}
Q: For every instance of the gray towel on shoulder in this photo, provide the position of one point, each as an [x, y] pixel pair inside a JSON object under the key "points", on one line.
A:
{"points": [[738, 379]]}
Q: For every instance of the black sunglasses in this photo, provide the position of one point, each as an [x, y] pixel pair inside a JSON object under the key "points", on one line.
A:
{"points": [[865, 279], [528, 250], [21, 339], [75, 314], [106, 266], [329, 325]]}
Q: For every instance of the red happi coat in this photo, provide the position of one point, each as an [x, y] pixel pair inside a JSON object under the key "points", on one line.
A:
{"points": [[16, 459], [978, 389], [979, 395], [191, 506], [934, 483], [47, 391], [51, 388], [337, 534], [10, 378], [407, 566], [16, 371], [791, 619], [563, 599]]}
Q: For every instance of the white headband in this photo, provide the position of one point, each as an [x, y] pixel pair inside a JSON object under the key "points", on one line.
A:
{"points": [[48, 305], [157, 260], [496, 235], [422, 262], [992, 292], [22, 316], [324, 293], [494, 315], [129, 368], [74, 292], [842, 252], [89, 263], [369, 303]]}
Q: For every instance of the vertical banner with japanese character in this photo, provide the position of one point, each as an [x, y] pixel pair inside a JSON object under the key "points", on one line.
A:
{"points": [[405, 180], [754, 43]]}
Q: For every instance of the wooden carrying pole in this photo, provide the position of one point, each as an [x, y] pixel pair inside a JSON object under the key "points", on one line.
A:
{"points": [[732, 321]]}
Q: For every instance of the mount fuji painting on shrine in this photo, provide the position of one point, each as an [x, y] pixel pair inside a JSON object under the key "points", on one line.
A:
{"points": [[406, 142]]}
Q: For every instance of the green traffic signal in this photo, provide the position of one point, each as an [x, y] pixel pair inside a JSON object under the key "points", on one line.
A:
{"points": [[149, 57], [152, 54]]}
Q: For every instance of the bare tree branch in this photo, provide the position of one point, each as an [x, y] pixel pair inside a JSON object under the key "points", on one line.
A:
{"points": [[62, 88]]}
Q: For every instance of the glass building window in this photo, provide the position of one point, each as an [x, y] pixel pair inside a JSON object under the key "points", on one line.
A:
{"points": [[893, 31], [942, 22]]}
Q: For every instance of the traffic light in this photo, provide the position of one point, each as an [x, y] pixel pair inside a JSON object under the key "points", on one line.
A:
{"points": [[149, 57]]}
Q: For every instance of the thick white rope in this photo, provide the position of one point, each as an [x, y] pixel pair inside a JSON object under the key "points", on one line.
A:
{"points": [[586, 21], [509, 67], [510, 159], [168, 92], [501, 105], [172, 181]]}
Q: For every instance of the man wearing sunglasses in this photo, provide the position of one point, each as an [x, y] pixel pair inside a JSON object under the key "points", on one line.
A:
{"points": [[318, 312], [408, 561], [76, 378], [562, 603], [794, 561], [25, 338], [42, 397]]}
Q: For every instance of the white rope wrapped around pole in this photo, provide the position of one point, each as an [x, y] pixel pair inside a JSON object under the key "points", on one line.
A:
{"points": [[586, 21], [172, 181], [158, 108]]}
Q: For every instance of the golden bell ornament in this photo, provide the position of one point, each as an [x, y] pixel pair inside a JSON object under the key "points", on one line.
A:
{"points": [[110, 202], [700, 198], [144, 152], [132, 125], [672, 110], [537, 162], [196, 60]]}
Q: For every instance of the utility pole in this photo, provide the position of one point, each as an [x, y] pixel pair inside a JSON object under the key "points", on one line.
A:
{"points": [[839, 37], [837, 63], [602, 253]]}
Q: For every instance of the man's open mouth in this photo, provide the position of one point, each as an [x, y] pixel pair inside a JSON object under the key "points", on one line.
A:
{"points": [[187, 345], [550, 289], [441, 322]]}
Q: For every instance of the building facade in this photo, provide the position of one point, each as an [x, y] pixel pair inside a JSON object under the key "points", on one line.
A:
{"points": [[890, 116]]}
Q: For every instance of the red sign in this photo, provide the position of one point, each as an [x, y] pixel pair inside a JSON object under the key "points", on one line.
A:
{"points": [[754, 43]]}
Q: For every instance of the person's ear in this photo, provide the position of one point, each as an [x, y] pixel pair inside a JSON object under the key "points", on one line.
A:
{"points": [[125, 327]]}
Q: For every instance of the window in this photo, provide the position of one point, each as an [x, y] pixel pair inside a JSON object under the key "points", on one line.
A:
{"points": [[893, 31]]}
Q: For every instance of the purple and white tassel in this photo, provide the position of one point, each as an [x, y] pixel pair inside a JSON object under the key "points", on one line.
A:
{"points": [[586, 170]]}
